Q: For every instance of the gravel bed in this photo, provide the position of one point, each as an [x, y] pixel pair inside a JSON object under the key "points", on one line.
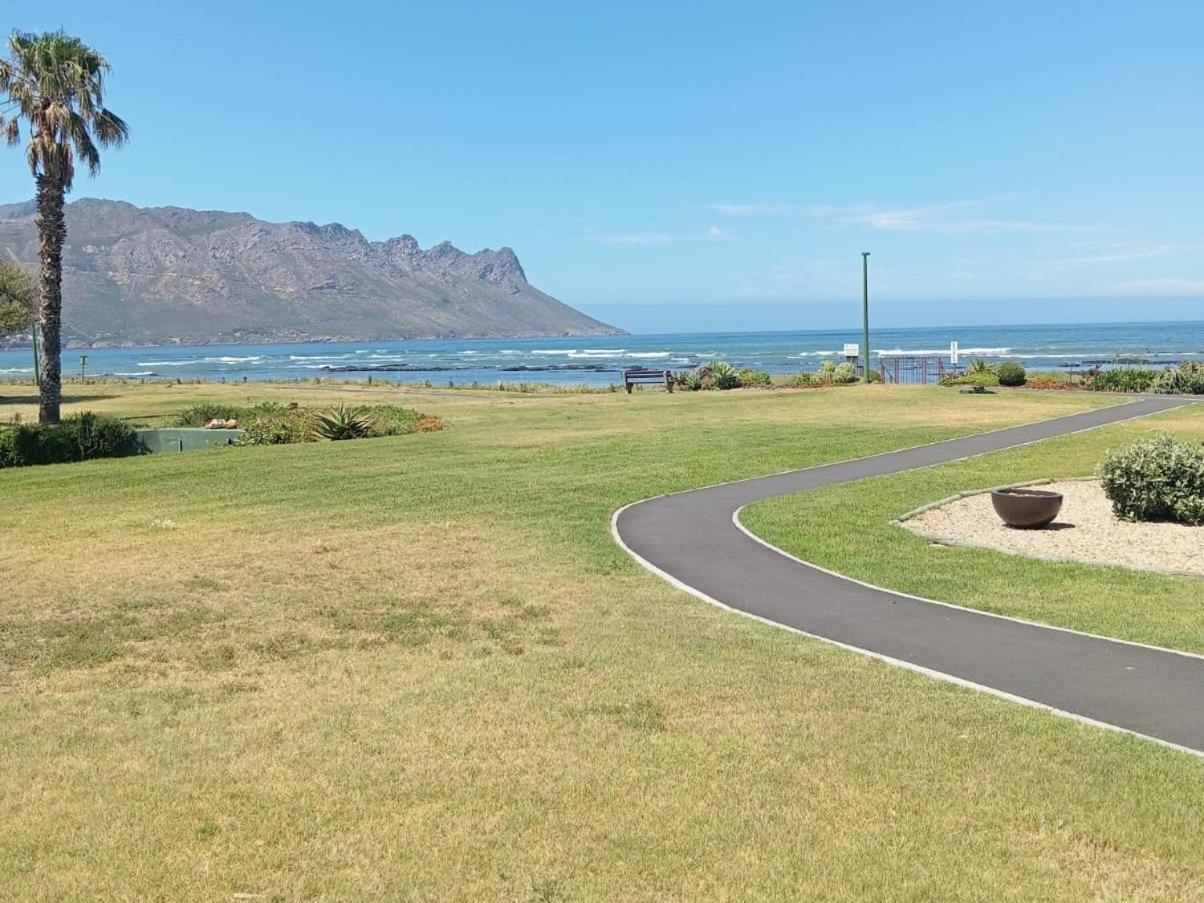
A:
{"points": [[1085, 530]]}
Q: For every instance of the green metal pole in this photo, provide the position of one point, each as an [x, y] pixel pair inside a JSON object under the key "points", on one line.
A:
{"points": [[865, 316]]}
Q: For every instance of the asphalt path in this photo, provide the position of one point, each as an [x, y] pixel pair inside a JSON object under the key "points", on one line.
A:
{"points": [[694, 540]]}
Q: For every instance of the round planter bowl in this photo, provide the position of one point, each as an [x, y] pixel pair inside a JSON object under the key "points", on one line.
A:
{"points": [[1026, 509]]}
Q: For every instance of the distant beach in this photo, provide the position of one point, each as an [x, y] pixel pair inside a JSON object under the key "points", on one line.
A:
{"points": [[597, 361]]}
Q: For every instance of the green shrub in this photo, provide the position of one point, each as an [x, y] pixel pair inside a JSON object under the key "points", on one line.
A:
{"points": [[875, 376], [805, 379], [390, 420], [750, 377], [724, 376], [691, 380], [201, 414], [979, 367], [843, 374], [1159, 479], [986, 380], [80, 437], [1010, 373], [287, 426], [1123, 379], [341, 423], [1186, 379]]}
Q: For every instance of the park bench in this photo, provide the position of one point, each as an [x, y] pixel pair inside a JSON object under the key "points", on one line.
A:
{"points": [[644, 375]]}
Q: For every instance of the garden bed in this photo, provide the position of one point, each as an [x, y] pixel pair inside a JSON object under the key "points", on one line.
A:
{"points": [[1086, 530]]}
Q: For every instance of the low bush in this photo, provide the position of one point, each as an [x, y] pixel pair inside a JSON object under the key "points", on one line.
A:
{"points": [[843, 374], [1048, 379], [691, 380], [201, 414], [1186, 379], [80, 437], [979, 367], [1158, 479], [390, 420], [1123, 379], [724, 376], [805, 379], [1010, 373], [283, 427], [986, 380], [341, 423], [750, 377]]}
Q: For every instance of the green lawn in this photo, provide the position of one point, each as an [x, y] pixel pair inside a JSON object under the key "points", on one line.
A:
{"points": [[848, 529], [420, 668]]}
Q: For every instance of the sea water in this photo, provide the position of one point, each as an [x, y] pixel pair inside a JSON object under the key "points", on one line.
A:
{"points": [[597, 361]]}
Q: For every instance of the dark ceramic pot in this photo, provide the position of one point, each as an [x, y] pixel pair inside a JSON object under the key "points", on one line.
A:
{"points": [[1026, 508]]}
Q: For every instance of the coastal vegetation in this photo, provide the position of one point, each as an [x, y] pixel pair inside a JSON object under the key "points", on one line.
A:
{"points": [[85, 436], [360, 670], [1156, 479], [80, 437], [54, 84], [18, 301]]}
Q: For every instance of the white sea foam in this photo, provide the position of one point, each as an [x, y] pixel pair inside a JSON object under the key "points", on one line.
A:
{"points": [[226, 359], [139, 373], [168, 363], [17, 370], [933, 351], [650, 354]]}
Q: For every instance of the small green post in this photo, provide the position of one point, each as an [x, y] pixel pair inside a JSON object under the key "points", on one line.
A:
{"points": [[865, 316], [83, 367]]}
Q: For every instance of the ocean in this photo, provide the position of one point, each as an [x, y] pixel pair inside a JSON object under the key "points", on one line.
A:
{"points": [[597, 361]]}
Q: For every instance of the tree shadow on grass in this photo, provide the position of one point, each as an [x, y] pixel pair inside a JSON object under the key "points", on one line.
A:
{"points": [[33, 399]]}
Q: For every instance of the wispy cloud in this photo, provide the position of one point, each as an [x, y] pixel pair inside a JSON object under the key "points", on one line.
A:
{"points": [[1163, 286], [947, 218], [644, 239]]}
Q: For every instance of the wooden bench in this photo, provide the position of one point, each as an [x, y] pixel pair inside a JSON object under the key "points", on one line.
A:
{"points": [[644, 375]]}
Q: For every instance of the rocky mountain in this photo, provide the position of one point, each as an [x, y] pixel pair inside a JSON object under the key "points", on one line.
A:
{"points": [[161, 275]]}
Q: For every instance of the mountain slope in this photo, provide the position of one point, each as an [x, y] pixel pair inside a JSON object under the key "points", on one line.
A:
{"points": [[158, 275]]}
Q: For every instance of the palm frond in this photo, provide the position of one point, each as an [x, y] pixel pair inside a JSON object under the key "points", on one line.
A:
{"points": [[55, 83]]}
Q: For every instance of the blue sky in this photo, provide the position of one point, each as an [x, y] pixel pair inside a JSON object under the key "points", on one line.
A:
{"points": [[698, 165]]}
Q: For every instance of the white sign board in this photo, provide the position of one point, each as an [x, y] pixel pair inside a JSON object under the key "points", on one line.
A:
{"points": [[851, 349], [953, 353]]}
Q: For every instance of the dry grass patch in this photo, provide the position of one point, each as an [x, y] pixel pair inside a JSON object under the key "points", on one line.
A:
{"points": [[423, 670]]}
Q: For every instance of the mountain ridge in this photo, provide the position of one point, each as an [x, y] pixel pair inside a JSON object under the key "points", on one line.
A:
{"points": [[172, 275]]}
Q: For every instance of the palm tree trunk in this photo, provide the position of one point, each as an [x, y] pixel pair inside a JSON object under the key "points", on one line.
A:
{"points": [[52, 231]]}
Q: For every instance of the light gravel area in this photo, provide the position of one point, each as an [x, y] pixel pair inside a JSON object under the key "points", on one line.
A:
{"points": [[1085, 530]]}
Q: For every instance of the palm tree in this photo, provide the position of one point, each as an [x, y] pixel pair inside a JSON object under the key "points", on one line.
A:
{"points": [[55, 83]]}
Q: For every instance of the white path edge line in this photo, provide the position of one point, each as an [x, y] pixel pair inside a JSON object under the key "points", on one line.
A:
{"points": [[901, 663], [973, 611]]}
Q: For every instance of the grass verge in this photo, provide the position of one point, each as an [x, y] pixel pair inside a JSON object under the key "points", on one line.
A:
{"points": [[848, 529], [419, 667]]}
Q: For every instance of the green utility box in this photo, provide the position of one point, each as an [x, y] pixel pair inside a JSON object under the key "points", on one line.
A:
{"points": [[184, 439]]}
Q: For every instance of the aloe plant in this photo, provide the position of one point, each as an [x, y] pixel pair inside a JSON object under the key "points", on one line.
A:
{"points": [[724, 376], [979, 366], [341, 423]]}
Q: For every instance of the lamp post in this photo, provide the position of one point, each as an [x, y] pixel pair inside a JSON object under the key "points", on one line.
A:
{"points": [[865, 316]]}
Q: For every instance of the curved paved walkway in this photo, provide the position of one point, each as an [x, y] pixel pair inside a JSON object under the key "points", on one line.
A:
{"points": [[694, 540]]}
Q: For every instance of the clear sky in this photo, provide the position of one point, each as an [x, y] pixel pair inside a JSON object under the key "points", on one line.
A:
{"points": [[694, 165]]}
